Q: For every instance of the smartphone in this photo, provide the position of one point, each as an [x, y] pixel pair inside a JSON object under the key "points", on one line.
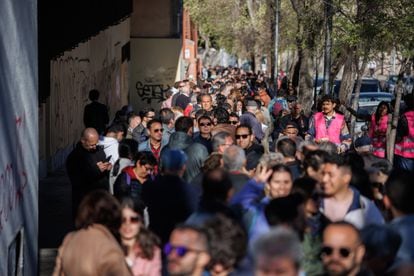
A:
{"points": [[108, 158]]}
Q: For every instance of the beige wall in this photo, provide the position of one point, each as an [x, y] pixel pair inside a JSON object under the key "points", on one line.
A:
{"points": [[154, 65], [92, 64], [153, 18]]}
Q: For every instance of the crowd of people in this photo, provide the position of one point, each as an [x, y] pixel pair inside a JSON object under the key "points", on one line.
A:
{"points": [[230, 177]]}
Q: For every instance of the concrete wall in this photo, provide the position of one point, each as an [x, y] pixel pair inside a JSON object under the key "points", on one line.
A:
{"points": [[154, 65], [96, 63], [18, 137], [155, 18]]}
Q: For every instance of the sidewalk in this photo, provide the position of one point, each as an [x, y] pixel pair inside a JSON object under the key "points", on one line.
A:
{"points": [[55, 217]]}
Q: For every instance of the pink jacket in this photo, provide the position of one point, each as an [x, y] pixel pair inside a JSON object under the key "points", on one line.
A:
{"points": [[333, 133], [405, 148], [378, 134]]}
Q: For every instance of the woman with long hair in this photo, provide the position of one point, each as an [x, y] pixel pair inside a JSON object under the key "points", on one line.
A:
{"points": [[143, 254], [378, 129]]}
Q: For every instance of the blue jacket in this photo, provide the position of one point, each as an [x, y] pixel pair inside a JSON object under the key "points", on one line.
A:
{"points": [[405, 226]]}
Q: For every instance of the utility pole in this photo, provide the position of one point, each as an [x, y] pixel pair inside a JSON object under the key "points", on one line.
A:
{"points": [[276, 42], [328, 47]]}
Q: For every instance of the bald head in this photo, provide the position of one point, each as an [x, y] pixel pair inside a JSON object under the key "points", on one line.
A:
{"points": [[89, 139]]}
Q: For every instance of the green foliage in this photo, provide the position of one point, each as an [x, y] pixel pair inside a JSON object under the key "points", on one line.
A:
{"points": [[245, 27]]}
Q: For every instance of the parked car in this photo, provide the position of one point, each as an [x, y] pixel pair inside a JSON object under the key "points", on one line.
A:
{"points": [[408, 82], [367, 85]]}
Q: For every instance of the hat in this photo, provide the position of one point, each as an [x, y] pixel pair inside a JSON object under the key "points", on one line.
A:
{"points": [[362, 141]]}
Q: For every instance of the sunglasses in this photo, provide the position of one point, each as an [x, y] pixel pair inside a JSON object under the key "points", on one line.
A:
{"points": [[343, 251], [243, 136], [158, 130], [205, 124], [234, 122], [179, 250], [131, 219]]}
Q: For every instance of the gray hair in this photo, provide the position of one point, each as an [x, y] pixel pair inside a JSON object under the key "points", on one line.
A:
{"points": [[329, 147], [306, 143], [251, 109], [219, 139], [271, 159], [234, 158], [279, 242]]}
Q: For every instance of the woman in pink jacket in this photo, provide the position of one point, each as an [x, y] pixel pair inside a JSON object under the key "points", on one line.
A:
{"points": [[378, 129], [143, 254]]}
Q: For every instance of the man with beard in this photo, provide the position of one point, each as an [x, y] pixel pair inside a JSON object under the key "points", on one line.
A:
{"points": [[329, 125], [87, 167], [246, 140], [342, 250], [154, 144]]}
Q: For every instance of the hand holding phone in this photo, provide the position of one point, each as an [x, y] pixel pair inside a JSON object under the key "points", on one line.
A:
{"points": [[108, 158]]}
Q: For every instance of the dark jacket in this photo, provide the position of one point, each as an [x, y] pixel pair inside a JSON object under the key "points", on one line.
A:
{"points": [[84, 174], [96, 115], [205, 142], [196, 153], [170, 201], [238, 180], [253, 155], [127, 185]]}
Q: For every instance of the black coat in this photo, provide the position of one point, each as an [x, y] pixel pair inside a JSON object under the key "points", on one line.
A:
{"points": [[170, 201], [253, 155], [84, 174], [96, 115]]}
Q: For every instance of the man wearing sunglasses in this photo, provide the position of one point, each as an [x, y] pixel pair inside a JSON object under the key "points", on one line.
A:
{"points": [[342, 251], [154, 143], [205, 124], [234, 119], [246, 140], [187, 251], [140, 133]]}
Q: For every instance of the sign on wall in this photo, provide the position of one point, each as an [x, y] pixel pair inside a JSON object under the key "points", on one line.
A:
{"points": [[154, 64]]}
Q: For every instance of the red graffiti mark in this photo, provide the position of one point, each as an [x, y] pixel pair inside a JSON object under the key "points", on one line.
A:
{"points": [[19, 121], [13, 176]]}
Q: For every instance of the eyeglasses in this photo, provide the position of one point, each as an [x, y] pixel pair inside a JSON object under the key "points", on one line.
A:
{"points": [[158, 130], [243, 136], [234, 122], [179, 250], [343, 251], [205, 124], [134, 220]]}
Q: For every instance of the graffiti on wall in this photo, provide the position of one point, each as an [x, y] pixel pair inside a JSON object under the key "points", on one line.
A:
{"points": [[151, 93], [13, 176]]}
